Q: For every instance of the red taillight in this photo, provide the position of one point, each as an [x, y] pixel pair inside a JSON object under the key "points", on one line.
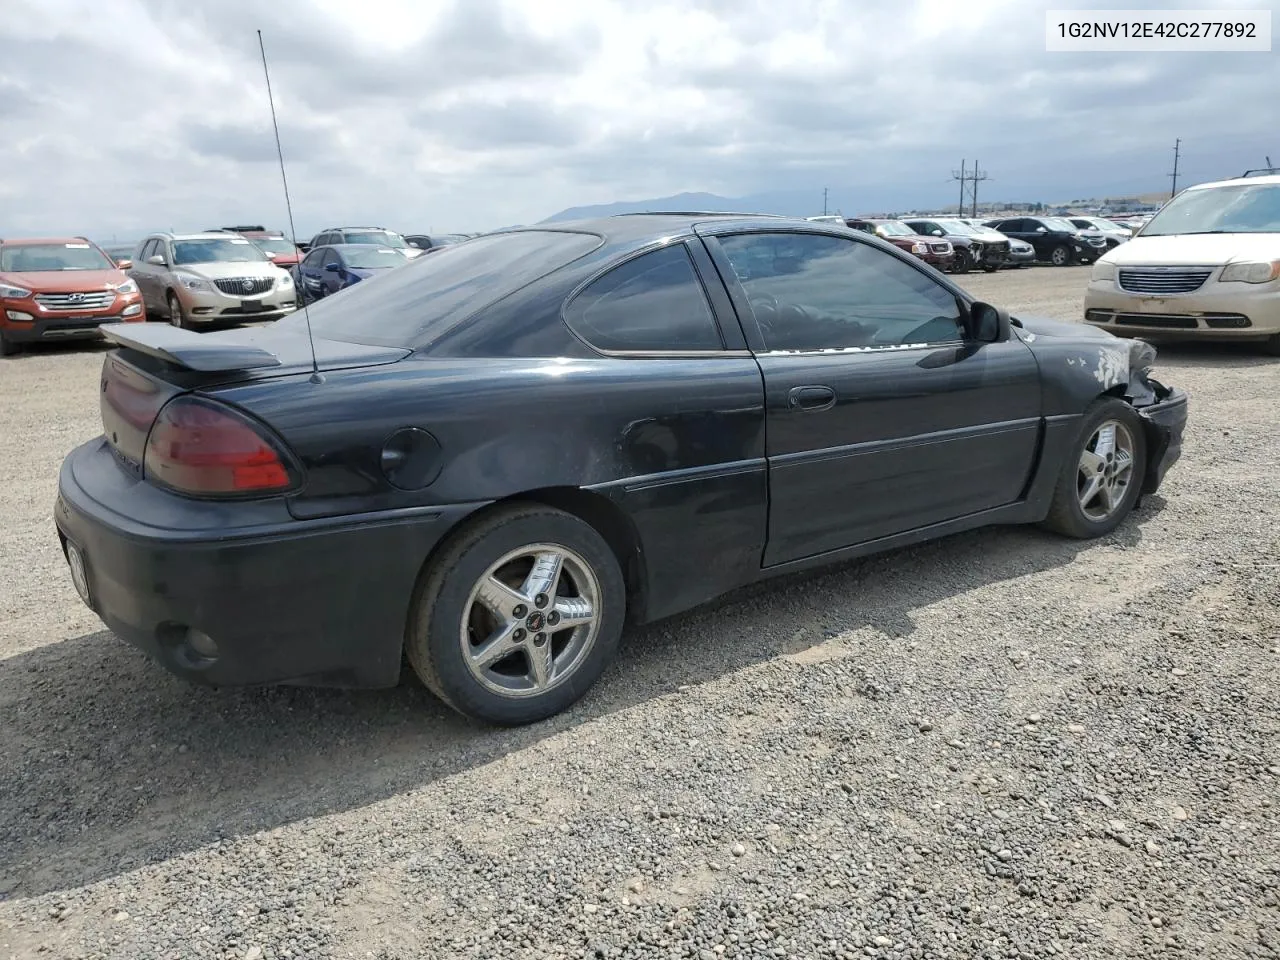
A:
{"points": [[204, 448]]}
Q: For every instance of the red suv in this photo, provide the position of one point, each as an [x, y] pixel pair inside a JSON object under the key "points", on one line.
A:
{"points": [[61, 289]]}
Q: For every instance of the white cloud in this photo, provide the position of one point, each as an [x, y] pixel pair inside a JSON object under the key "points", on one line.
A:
{"points": [[135, 115]]}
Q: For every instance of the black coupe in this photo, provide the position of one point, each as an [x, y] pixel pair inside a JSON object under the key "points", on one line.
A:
{"points": [[493, 457]]}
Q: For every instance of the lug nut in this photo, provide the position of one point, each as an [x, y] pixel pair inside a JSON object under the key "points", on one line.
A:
{"points": [[539, 639], [519, 610], [553, 618], [540, 601], [518, 636]]}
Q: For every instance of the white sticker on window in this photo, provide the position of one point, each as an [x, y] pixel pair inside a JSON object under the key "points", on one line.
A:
{"points": [[77, 246], [238, 240]]}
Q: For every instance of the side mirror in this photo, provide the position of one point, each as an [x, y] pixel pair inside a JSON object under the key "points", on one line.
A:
{"points": [[157, 260], [124, 264], [988, 324], [332, 267], [1041, 230], [937, 233]]}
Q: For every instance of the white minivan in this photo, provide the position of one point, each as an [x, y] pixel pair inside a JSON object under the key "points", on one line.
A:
{"points": [[1206, 267]]}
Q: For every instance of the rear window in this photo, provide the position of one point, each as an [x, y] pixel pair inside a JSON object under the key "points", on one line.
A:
{"points": [[414, 304]]}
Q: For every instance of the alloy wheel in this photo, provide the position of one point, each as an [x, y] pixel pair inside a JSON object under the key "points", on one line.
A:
{"points": [[531, 620], [1105, 471]]}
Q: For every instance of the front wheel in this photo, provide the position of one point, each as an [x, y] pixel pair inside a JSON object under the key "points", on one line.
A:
{"points": [[7, 347], [1102, 474], [518, 616], [1272, 345], [1060, 256], [177, 315], [990, 267], [963, 263]]}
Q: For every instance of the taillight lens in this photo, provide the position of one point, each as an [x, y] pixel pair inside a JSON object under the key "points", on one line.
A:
{"points": [[204, 448]]}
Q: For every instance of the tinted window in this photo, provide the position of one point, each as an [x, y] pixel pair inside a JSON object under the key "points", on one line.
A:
{"points": [[815, 293], [312, 261], [654, 302], [426, 297], [331, 256]]}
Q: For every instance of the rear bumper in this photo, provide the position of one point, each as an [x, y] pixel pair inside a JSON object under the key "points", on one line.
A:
{"points": [[286, 601], [1165, 423]]}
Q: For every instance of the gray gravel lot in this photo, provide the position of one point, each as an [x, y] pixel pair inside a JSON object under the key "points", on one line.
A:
{"points": [[1003, 744]]}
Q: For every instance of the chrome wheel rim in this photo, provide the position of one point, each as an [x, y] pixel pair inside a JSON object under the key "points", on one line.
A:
{"points": [[175, 312], [1059, 256], [1105, 471], [531, 620]]}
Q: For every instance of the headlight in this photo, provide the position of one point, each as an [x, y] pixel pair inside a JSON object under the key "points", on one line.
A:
{"points": [[194, 283], [285, 281], [129, 286], [919, 248], [13, 293], [1252, 272], [1103, 270]]}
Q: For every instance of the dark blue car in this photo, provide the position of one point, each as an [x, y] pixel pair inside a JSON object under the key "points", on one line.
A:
{"points": [[327, 270]]}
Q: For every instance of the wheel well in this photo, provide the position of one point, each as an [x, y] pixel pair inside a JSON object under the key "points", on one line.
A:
{"points": [[611, 523]]}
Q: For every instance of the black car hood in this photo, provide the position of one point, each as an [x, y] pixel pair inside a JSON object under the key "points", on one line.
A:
{"points": [[1046, 327]]}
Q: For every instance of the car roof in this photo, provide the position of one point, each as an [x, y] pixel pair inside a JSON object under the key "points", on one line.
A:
{"points": [[1233, 181], [32, 241], [199, 235], [355, 246], [629, 228]]}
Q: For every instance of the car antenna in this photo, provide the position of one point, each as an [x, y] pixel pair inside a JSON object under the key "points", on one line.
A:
{"points": [[316, 376]]}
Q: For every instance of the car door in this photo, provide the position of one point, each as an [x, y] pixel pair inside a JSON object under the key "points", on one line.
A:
{"points": [[149, 277], [882, 416], [333, 274]]}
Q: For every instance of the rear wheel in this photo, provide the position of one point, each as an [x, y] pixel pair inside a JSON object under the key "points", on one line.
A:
{"points": [[1102, 475], [177, 315], [518, 616], [1060, 256], [1272, 346]]}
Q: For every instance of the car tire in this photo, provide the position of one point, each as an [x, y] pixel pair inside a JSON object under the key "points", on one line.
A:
{"points": [[450, 622], [1060, 256], [177, 315], [1095, 492], [7, 347], [1271, 346], [990, 267], [963, 263]]}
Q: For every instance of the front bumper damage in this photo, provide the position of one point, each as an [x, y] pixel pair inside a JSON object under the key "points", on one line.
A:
{"points": [[1163, 411]]}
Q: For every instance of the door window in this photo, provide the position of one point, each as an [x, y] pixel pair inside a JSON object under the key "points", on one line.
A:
{"points": [[331, 256], [654, 303], [811, 292]]}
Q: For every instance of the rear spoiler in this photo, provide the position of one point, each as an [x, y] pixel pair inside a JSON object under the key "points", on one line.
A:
{"points": [[186, 348]]}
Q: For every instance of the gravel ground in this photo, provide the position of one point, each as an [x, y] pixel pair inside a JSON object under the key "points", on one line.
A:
{"points": [[1003, 744]]}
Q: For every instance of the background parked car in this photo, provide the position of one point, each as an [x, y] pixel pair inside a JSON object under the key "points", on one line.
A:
{"points": [[120, 253], [60, 288], [972, 248], [936, 253], [1113, 233], [205, 277], [326, 270], [374, 236], [1055, 240], [1021, 253], [282, 251], [433, 241]]}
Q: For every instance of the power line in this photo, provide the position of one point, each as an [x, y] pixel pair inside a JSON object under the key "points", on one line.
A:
{"points": [[1177, 144], [824, 201]]}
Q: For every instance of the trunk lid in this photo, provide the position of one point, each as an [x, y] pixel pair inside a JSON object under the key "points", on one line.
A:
{"points": [[157, 362]]}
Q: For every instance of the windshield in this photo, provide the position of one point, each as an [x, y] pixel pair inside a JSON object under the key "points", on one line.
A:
{"points": [[275, 245], [1059, 223], [41, 257], [379, 238], [428, 296], [957, 227], [1238, 208], [373, 257], [893, 228], [230, 250]]}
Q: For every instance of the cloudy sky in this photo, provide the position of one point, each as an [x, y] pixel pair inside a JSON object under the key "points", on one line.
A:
{"points": [[126, 116]]}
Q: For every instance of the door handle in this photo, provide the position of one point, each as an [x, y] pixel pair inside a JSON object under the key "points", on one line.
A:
{"points": [[812, 398]]}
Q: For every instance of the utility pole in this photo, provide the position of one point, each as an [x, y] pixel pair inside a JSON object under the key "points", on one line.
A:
{"points": [[1176, 145], [966, 177], [978, 175], [824, 201]]}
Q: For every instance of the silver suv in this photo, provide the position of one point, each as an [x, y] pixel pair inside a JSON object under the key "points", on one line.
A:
{"points": [[198, 278]]}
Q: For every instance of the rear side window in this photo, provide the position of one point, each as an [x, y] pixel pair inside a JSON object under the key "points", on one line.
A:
{"points": [[653, 303], [424, 299]]}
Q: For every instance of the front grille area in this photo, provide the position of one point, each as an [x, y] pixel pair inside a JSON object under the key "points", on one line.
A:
{"points": [[940, 247], [1172, 321], [244, 286], [1163, 280], [72, 302]]}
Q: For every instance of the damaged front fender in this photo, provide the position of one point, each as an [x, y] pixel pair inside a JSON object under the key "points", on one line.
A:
{"points": [[1079, 364]]}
